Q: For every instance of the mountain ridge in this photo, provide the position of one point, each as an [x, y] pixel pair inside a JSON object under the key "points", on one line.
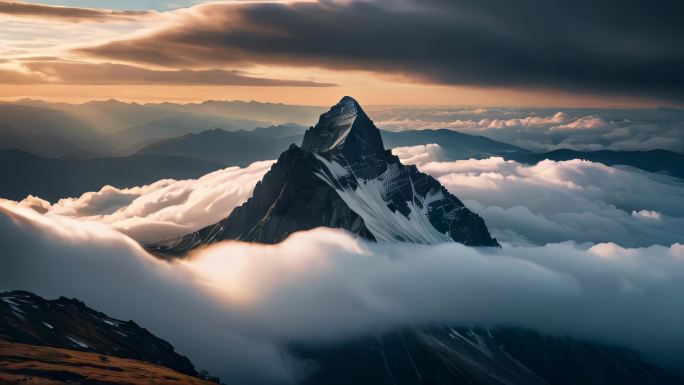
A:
{"points": [[51, 179], [68, 323]]}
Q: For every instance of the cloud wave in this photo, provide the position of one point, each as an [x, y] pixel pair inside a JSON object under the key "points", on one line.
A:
{"points": [[548, 130], [522, 204], [232, 307], [164, 209], [557, 201]]}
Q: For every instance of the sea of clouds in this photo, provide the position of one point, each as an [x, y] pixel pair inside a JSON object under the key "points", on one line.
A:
{"points": [[522, 204], [232, 307], [590, 251], [164, 209], [553, 201], [546, 130]]}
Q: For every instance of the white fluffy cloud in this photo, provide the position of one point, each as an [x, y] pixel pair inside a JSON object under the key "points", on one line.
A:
{"points": [[557, 201], [584, 130], [164, 209], [420, 154], [232, 306]]}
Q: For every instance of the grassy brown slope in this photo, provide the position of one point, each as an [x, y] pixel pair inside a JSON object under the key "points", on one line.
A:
{"points": [[38, 365]]}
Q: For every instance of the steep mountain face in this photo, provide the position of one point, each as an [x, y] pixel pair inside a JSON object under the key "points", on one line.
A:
{"points": [[444, 356], [343, 177], [290, 198], [26, 318]]}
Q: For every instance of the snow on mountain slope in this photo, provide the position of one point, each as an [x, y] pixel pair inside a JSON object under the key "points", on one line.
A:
{"points": [[369, 200]]}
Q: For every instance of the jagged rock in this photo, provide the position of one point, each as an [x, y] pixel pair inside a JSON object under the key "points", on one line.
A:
{"points": [[68, 323]]}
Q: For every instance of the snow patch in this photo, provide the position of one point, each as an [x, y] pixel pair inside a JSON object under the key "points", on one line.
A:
{"points": [[368, 201], [111, 323], [78, 343], [475, 341], [15, 307]]}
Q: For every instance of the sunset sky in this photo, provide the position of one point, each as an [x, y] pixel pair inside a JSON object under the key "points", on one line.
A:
{"points": [[405, 52]]}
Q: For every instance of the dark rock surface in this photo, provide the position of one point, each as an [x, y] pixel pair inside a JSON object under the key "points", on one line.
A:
{"points": [[68, 323], [444, 356]]}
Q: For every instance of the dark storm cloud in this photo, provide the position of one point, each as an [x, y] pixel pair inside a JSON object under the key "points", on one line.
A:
{"points": [[630, 47], [64, 72], [71, 14]]}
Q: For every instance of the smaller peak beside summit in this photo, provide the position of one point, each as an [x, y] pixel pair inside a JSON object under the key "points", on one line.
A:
{"points": [[344, 130]]}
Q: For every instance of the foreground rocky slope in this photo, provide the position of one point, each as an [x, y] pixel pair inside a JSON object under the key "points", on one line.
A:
{"points": [[343, 177], [67, 323]]}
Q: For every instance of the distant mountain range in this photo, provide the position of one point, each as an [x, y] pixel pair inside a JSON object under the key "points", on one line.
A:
{"points": [[114, 128], [455, 145], [268, 142], [25, 174], [231, 148], [64, 340], [42, 131], [244, 147], [132, 139]]}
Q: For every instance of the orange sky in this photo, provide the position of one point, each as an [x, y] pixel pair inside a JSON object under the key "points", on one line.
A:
{"points": [[391, 94]]}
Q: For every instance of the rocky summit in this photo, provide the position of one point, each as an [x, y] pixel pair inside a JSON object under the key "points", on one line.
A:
{"points": [[343, 177]]}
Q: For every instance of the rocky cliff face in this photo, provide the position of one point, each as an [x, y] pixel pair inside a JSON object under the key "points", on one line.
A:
{"points": [[68, 323], [343, 177]]}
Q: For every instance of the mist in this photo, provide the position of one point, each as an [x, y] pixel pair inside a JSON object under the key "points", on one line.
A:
{"points": [[232, 307]]}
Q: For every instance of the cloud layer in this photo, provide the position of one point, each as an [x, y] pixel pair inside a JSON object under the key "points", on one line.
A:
{"points": [[75, 73], [70, 14], [547, 130], [65, 72], [233, 306], [164, 209], [557, 201], [634, 51], [548, 202]]}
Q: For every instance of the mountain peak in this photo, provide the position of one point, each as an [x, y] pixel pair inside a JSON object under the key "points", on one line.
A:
{"points": [[342, 177], [344, 130], [348, 100]]}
